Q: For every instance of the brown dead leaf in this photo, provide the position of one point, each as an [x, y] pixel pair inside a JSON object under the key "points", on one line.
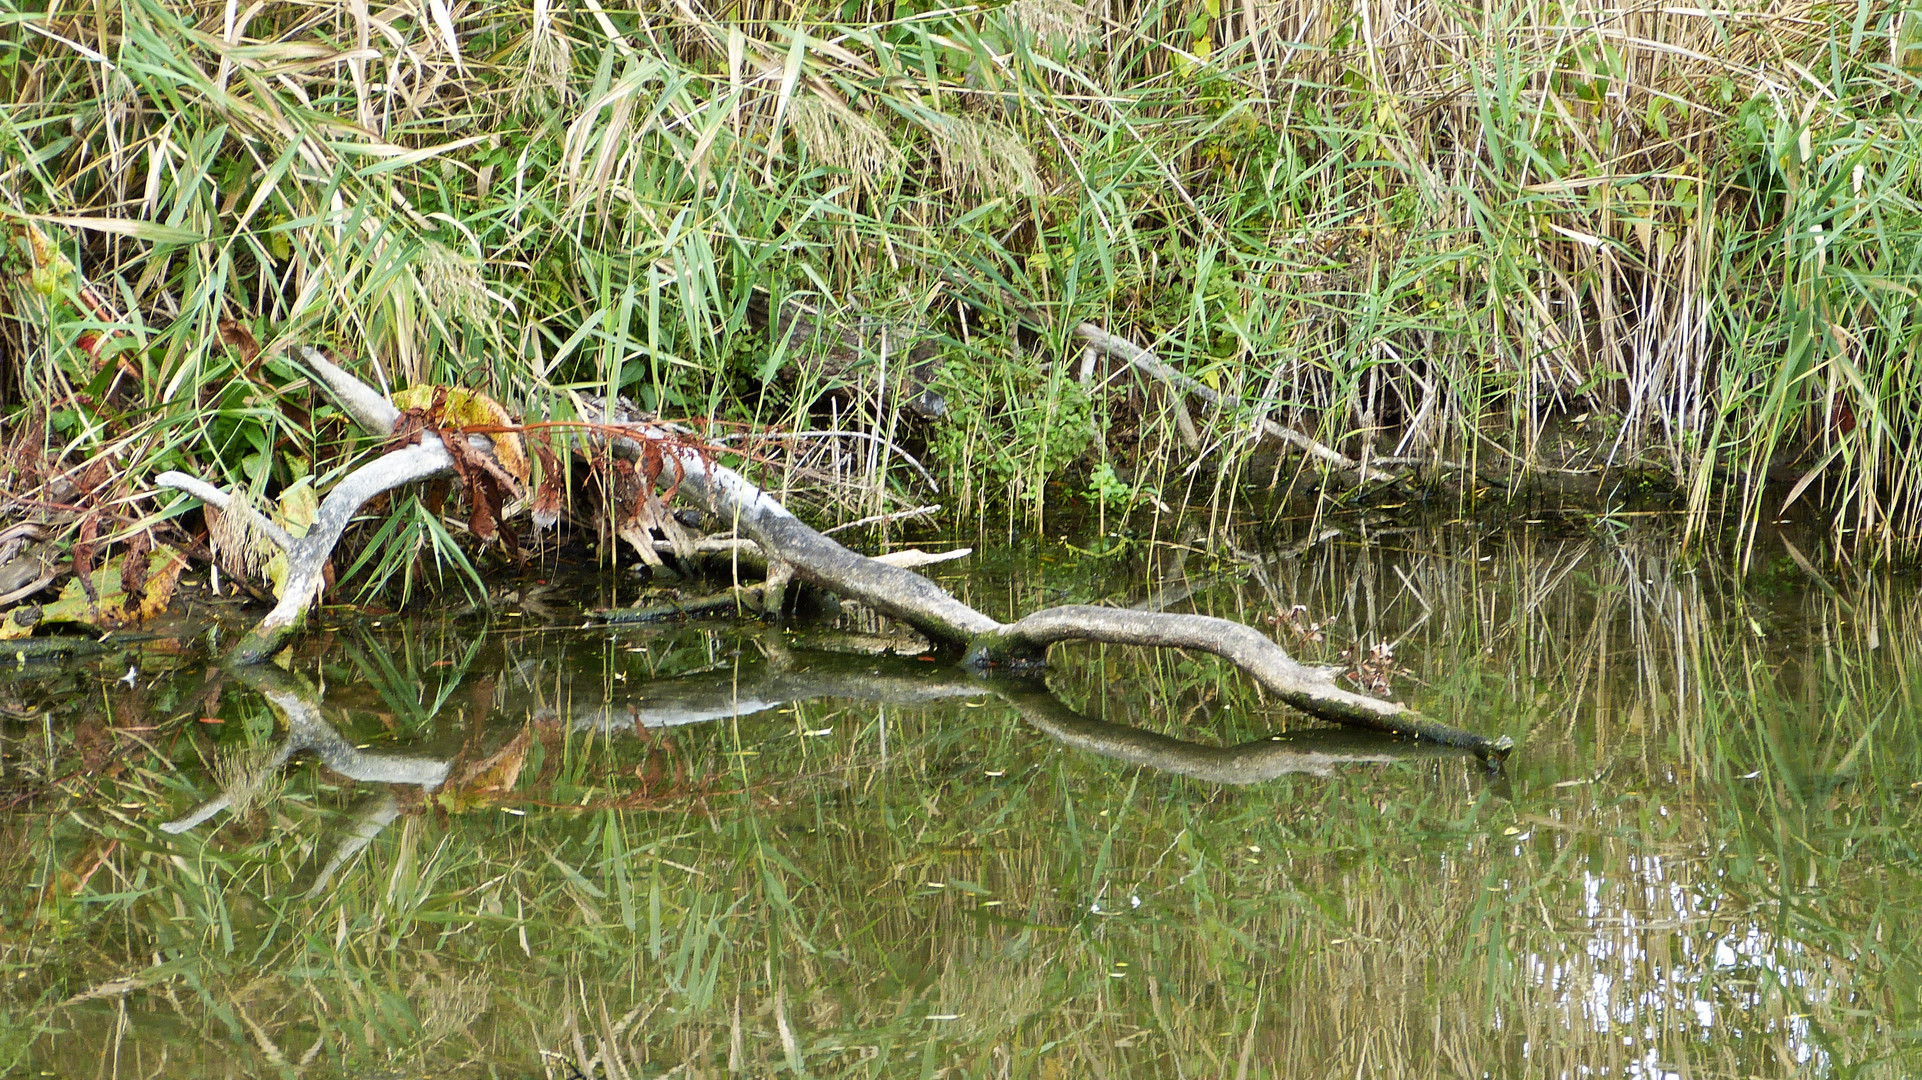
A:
{"points": [[234, 334], [636, 511], [26, 453], [485, 519], [133, 564], [484, 782], [94, 478], [547, 500], [83, 555]]}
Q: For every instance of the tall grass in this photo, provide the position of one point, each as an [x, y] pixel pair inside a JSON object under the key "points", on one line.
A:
{"points": [[1675, 241]]}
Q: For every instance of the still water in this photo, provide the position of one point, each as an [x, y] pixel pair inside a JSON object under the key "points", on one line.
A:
{"points": [[502, 842]]}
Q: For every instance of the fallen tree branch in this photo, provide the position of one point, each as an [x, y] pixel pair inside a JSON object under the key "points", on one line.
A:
{"points": [[1313, 690], [226, 503], [307, 557], [1122, 349], [688, 466], [45, 579], [915, 600]]}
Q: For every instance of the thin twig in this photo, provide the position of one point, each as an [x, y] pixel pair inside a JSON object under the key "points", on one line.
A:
{"points": [[1148, 362], [226, 503], [24, 591], [883, 519], [926, 476]]}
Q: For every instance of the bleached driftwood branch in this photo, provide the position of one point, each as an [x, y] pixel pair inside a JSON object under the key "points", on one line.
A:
{"points": [[818, 560], [307, 557], [226, 503]]}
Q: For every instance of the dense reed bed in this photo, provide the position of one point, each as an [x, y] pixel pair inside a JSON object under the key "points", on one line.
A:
{"points": [[1676, 243]]}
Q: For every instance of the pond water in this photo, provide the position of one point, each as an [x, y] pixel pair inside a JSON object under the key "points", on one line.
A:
{"points": [[497, 842]]}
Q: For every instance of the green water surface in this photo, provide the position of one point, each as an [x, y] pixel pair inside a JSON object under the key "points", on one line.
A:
{"points": [[825, 853]]}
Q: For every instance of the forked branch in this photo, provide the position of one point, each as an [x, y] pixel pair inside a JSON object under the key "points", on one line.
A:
{"points": [[689, 467]]}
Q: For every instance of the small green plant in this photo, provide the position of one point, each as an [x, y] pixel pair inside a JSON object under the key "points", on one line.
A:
{"points": [[1108, 490], [1019, 424]]}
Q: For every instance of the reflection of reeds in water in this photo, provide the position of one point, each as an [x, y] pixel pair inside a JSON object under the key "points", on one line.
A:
{"points": [[1559, 621], [1701, 862], [449, 1005], [1600, 931], [248, 775], [1639, 963]]}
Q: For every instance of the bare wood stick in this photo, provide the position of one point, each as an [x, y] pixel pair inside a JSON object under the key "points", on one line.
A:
{"points": [[45, 579], [1310, 689], [712, 545], [884, 519], [225, 503], [307, 557], [1123, 349], [920, 603], [774, 589], [369, 409], [910, 558]]}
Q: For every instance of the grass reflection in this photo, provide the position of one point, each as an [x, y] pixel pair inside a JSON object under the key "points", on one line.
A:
{"points": [[1700, 862]]}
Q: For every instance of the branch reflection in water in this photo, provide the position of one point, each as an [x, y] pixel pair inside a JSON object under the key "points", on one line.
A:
{"points": [[786, 680]]}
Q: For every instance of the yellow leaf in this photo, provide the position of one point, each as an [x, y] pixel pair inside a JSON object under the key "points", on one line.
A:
{"points": [[462, 409], [115, 609], [298, 506]]}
